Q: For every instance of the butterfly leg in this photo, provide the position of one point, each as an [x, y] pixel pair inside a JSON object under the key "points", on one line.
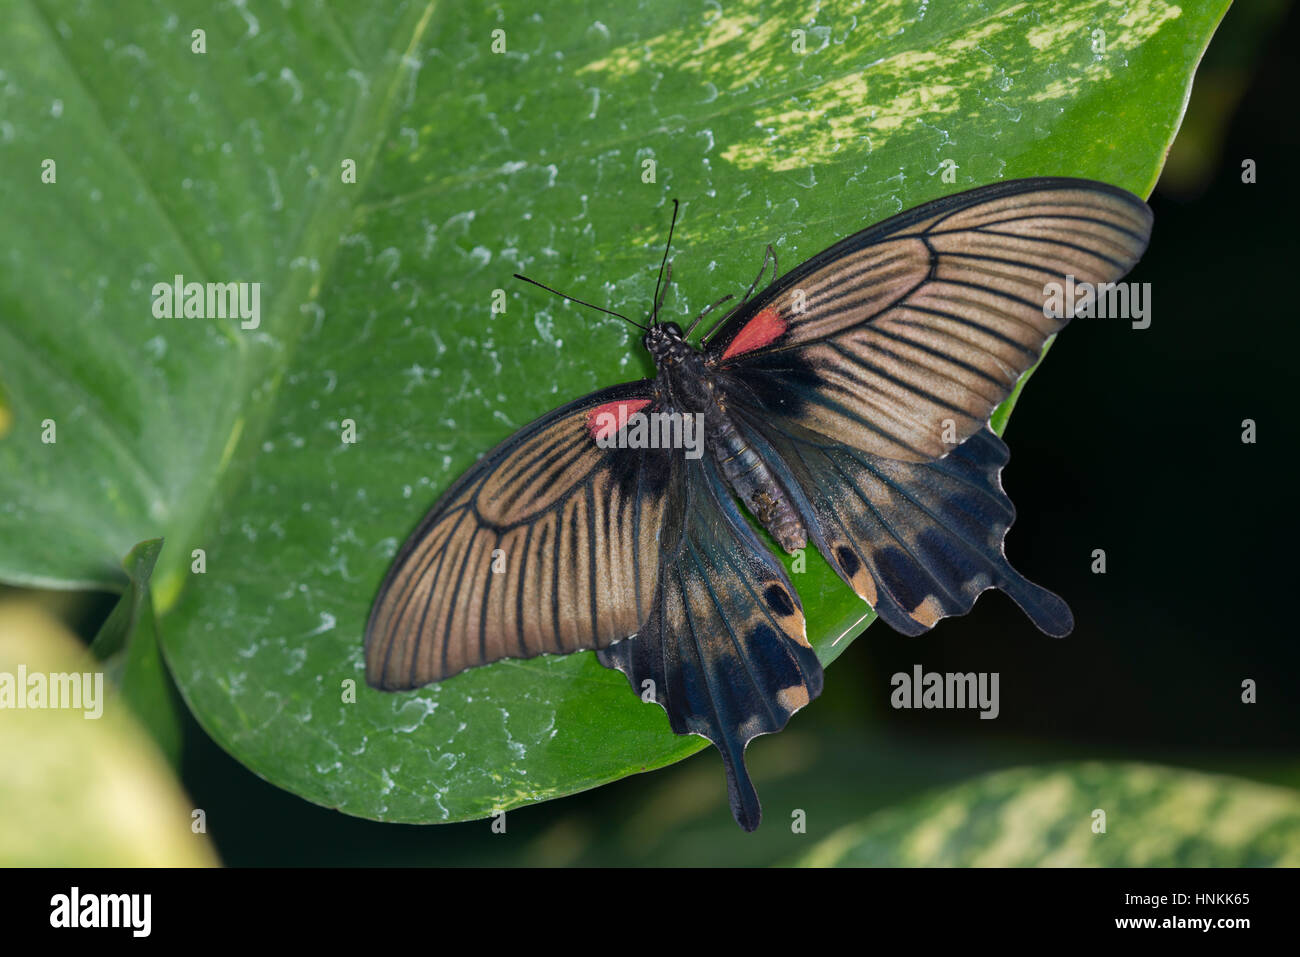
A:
{"points": [[707, 309], [768, 256]]}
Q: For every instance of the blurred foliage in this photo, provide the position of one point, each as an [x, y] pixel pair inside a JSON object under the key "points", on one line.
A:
{"points": [[1221, 80], [78, 790], [1084, 815]]}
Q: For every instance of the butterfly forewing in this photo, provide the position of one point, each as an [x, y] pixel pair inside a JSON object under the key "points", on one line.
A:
{"points": [[901, 340], [550, 544]]}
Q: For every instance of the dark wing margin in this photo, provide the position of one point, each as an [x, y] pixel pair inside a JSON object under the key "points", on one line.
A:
{"points": [[725, 645], [917, 541], [902, 339], [548, 545]]}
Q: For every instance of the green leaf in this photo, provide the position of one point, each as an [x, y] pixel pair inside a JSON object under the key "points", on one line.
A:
{"points": [[377, 302], [127, 644], [83, 786], [1048, 817]]}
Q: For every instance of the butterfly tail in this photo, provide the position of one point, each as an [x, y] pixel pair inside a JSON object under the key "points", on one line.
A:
{"points": [[724, 648], [1045, 609], [728, 698], [745, 807], [694, 705]]}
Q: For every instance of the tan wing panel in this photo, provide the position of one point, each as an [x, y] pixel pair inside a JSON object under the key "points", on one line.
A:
{"points": [[549, 545], [903, 347]]}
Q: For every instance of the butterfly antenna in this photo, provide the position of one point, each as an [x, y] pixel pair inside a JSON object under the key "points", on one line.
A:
{"points": [[589, 305], [654, 317], [668, 281]]}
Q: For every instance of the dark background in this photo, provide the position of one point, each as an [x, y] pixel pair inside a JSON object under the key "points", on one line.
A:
{"points": [[1125, 440]]}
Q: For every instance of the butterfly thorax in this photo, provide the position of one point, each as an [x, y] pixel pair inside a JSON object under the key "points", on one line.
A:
{"points": [[688, 386]]}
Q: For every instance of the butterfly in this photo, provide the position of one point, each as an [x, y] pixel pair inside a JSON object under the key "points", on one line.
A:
{"points": [[846, 404]]}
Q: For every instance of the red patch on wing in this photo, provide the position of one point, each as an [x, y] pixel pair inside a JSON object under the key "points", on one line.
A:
{"points": [[608, 419], [764, 329]]}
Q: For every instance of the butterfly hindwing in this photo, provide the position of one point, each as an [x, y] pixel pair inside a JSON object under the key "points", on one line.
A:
{"points": [[919, 541], [725, 645], [902, 339], [548, 545]]}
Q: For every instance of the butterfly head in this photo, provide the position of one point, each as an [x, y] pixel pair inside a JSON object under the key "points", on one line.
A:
{"points": [[663, 340]]}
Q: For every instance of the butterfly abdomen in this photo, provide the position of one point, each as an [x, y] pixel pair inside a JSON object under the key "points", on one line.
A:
{"points": [[754, 484]]}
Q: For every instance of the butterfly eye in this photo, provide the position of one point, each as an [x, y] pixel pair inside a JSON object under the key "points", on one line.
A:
{"points": [[673, 329]]}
